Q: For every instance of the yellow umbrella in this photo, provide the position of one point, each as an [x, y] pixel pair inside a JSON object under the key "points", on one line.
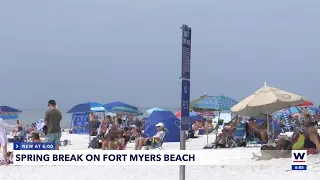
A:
{"points": [[267, 100]]}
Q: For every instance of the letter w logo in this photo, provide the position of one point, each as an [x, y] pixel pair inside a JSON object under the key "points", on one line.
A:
{"points": [[299, 157]]}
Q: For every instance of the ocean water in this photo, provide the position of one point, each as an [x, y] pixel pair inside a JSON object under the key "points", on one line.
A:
{"points": [[29, 116]]}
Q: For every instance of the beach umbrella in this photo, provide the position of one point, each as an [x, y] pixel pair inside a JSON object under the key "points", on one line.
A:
{"points": [[307, 103], [149, 111], [197, 100], [192, 116], [7, 112], [294, 110], [118, 104], [87, 107], [9, 109], [218, 103], [125, 110], [265, 101], [313, 110]]}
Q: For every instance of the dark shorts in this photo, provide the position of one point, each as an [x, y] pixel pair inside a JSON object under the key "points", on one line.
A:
{"points": [[287, 145], [149, 142]]}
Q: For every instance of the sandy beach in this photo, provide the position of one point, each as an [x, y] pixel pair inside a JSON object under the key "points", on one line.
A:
{"points": [[277, 168]]}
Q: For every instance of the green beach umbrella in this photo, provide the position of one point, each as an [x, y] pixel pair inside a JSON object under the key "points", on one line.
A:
{"points": [[149, 111]]}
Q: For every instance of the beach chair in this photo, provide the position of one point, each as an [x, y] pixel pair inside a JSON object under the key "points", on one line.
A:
{"points": [[253, 140], [238, 138], [22, 137], [156, 145]]}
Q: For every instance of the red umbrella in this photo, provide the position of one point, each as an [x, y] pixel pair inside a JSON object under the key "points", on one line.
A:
{"points": [[178, 114], [307, 103]]}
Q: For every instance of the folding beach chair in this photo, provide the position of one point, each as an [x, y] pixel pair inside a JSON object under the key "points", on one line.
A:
{"points": [[156, 145], [22, 137], [238, 138]]}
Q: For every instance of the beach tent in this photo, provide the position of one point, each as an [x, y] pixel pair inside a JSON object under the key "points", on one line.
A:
{"points": [[170, 121], [80, 123], [227, 117]]}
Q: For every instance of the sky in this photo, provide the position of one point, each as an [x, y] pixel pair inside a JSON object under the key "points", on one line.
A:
{"points": [[76, 51]]}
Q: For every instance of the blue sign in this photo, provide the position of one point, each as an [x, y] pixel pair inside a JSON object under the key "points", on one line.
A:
{"points": [[34, 146], [186, 51], [299, 167], [185, 104]]}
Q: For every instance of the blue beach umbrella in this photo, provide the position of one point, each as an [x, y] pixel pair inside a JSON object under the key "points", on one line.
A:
{"points": [[125, 110], [149, 111], [220, 103], [9, 109], [294, 110], [8, 113], [290, 111], [87, 107], [194, 117], [118, 104], [313, 110]]}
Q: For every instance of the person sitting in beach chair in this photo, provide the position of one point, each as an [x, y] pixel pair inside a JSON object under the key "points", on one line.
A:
{"points": [[255, 132], [221, 139], [156, 140], [104, 126], [237, 139], [22, 136], [16, 130], [114, 137], [305, 138]]}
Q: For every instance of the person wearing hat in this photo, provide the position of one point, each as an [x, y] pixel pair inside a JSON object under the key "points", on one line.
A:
{"points": [[52, 120], [159, 136]]}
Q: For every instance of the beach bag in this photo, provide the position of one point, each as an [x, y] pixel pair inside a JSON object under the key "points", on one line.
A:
{"points": [[94, 144], [65, 142], [190, 133]]}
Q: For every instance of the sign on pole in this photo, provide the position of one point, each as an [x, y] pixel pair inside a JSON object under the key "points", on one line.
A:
{"points": [[185, 108], [185, 92], [185, 76]]}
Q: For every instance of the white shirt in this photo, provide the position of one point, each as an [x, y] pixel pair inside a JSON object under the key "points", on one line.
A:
{"points": [[160, 135], [3, 131]]}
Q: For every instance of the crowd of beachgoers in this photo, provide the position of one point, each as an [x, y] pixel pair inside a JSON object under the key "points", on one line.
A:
{"points": [[296, 131]]}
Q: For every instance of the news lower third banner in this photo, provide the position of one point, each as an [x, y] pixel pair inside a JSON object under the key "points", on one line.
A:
{"points": [[129, 157]]}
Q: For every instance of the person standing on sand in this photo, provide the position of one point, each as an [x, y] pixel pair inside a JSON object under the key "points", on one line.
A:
{"points": [[52, 121], [3, 138]]}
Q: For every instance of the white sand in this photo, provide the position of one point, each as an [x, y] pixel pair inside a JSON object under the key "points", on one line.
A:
{"points": [[273, 169]]}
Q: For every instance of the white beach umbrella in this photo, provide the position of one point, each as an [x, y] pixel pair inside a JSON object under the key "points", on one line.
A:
{"points": [[267, 100]]}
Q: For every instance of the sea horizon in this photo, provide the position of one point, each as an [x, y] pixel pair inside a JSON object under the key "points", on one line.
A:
{"points": [[31, 115]]}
